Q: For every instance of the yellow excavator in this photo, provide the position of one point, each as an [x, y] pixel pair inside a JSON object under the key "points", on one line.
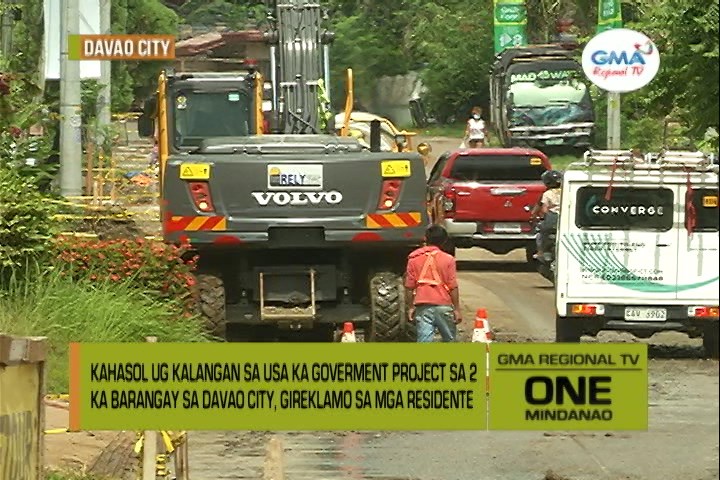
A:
{"points": [[298, 224]]}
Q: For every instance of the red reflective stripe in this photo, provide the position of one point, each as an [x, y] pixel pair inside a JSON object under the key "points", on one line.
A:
{"points": [[408, 219], [382, 221], [177, 224], [211, 223]]}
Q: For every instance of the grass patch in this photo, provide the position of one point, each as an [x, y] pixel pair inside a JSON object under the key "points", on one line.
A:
{"points": [[560, 162], [54, 306]]}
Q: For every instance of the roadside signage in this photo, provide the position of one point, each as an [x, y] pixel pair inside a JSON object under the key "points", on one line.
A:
{"points": [[620, 60], [121, 47]]}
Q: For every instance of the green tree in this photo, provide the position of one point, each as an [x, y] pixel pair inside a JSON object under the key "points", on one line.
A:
{"points": [[455, 40], [234, 14], [686, 34]]}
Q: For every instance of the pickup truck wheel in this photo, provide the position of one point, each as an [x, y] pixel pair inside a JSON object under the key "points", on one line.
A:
{"points": [[211, 303], [388, 315], [711, 339], [565, 331]]}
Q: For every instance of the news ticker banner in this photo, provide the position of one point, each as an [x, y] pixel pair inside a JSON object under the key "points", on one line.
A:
{"points": [[121, 47], [363, 386], [510, 20]]}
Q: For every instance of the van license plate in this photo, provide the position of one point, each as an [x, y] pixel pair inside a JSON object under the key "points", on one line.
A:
{"points": [[507, 228], [554, 141], [646, 314]]}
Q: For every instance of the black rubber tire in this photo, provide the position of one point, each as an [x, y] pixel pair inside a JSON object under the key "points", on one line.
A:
{"points": [[388, 314], [565, 331], [211, 304], [529, 258], [711, 341]]}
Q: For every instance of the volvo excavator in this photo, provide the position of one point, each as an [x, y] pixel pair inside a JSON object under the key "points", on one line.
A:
{"points": [[297, 226]]}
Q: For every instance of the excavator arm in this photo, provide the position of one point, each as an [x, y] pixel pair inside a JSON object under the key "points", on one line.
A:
{"points": [[300, 66]]}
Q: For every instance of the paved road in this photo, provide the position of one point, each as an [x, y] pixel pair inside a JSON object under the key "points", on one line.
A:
{"points": [[682, 442]]}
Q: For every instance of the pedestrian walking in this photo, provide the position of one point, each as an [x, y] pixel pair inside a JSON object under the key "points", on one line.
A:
{"points": [[431, 289], [475, 130]]}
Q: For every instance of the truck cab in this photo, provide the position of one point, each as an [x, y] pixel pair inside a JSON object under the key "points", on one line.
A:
{"points": [[637, 247], [539, 98]]}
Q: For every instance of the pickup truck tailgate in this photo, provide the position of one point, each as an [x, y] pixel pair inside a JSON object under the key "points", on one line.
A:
{"points": [[496, 187], [492, 202]]}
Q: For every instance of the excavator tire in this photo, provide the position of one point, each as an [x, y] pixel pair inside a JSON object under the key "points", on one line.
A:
{"points": [[388, 315], [211, 304]]}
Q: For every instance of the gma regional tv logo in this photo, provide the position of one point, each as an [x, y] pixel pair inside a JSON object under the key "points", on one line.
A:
{"points": [[121, 47]]}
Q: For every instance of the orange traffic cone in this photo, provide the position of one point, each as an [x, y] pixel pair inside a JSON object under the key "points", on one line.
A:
{"points": [[482, 332], [348, 335]]}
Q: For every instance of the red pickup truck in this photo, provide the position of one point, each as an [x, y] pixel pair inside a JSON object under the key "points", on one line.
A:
{"points": [[483, 197]]}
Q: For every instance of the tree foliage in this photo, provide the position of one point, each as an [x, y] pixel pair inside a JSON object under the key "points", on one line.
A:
{"points": [[452, 40], [237, 15], [129, 79], [448, 41], [686, 87]]}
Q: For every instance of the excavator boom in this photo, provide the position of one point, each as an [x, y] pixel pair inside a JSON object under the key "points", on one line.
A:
{"points": [[299, 47]]}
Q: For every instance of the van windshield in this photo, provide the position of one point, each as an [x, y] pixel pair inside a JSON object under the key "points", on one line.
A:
{"points": [[628, 209], [497, 168]]}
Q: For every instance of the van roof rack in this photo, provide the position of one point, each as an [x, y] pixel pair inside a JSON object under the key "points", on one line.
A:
{"points": [[664, 160], [610, 157], [684, 160]]}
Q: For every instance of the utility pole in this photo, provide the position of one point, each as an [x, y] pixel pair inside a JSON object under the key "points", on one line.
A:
{"points": [[7, 10], [613, 121], [70, 105], [103, 101]]}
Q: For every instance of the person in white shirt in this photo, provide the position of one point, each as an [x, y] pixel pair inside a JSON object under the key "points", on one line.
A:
{"points": [[475, 130], [548, 208]]}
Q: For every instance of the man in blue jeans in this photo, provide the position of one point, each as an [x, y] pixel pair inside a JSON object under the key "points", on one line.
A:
{"points": [[431, 289]]}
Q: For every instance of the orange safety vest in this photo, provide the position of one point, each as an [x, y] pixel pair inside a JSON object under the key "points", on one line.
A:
{"points": [[434, 279]]}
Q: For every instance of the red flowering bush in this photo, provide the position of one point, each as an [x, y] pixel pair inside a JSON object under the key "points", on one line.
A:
{"points": [[159, 270]]}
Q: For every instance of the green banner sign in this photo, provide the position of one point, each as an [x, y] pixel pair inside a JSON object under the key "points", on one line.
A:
{"points": [[510, 19], [609, 15]]}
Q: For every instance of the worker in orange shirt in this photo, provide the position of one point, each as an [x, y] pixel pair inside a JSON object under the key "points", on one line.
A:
{"points": [[431, 289]]}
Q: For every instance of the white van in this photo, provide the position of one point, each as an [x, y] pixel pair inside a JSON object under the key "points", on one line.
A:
{"points": [[637, 247]]}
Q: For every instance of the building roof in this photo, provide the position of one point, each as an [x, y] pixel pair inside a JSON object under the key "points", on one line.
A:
{"points": [[207, 42]]}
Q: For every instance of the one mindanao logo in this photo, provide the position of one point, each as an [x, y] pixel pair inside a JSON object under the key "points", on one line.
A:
{"points": [[620, 60], [604, 266]]}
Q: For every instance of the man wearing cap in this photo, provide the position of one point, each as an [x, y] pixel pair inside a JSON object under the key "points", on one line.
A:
{"points": [[431, 289]]}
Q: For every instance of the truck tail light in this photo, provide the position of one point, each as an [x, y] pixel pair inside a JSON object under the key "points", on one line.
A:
{"points": [[703, 312], [588, 309], [200, 192], [389, 194], [449, 201]]}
